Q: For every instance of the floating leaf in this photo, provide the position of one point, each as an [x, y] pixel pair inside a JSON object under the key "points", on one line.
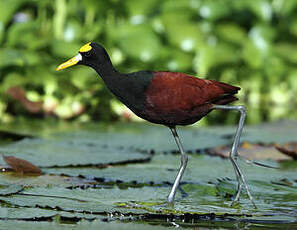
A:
{"points": [[290, 149], [36, 215], [145, 137], [21, 166], [163, 168], [251, 152], [10, 178], [278, 132], [100, 223], [7, 189], [49, 153], [91, 201]]}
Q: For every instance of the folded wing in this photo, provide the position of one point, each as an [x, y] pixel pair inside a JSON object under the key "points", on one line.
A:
{"points": [[171, 91]]}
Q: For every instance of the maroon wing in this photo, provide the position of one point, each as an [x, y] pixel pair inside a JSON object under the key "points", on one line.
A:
{"points": [[180, 97]]}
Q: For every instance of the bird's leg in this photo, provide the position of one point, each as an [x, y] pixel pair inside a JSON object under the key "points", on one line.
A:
{"points": [[239, 186], [184, 161], [234, 151]]}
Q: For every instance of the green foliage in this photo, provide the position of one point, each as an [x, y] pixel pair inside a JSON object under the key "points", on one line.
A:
{"points": [[246, 43]]}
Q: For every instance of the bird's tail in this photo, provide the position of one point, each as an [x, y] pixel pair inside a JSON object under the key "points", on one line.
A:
{"points": [[227, 95], [228, 89]]}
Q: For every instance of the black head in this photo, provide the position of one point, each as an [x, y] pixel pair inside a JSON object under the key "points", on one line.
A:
{"points": [[91, 54]]}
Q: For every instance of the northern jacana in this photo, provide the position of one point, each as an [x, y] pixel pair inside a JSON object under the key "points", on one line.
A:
{"points": [[166, 98]]}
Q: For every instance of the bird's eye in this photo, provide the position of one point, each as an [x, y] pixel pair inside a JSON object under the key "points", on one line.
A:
{"points": [[87, 54]]}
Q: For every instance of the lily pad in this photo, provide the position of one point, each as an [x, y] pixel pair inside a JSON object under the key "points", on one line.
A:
{"points": [[49, 153], [290, 149], [251, 152], [148, 138], [163, 169], [8, 189], [138, 136], [267, 133], [140, 189], [18, 181], [8, 136], [25, 213], [39, 214], [96, 224], [279, 132], [153, 137], [91, 201], [45, 127]]}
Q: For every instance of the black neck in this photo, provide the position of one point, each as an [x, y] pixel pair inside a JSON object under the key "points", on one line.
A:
{"points": [[128, 88], [106, 69], [113, 79]]}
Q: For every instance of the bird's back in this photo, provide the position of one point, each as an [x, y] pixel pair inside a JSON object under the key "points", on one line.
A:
{"points": [[179, 99]]}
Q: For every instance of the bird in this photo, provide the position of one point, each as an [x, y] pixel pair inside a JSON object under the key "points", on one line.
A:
{"points": [[169, 99]]}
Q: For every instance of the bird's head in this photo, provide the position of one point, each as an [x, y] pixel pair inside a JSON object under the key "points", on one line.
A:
{"points": [[91, 54]]}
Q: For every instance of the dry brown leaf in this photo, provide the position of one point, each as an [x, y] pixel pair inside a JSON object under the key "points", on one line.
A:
{"points": [[251, 152], [19, 94], [290, 149], [21, 165]]}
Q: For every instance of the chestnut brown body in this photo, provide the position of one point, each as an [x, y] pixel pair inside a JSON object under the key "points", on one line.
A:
{"points": [[179, 99]]}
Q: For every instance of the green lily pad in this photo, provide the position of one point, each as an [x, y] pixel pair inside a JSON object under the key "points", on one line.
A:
{"points": [[163, 169], [142, 188], [17, 180], [152, 137], [38, 214], [158, 139], [279, 132], [268, 133], [25, 213], [204, 191], [92, 201], [96, 224], [49, 153], [6, 189], [35, 127]]}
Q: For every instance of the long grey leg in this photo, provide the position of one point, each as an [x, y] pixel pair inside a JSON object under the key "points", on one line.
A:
{"points": [[234, 151], [184, 161]]}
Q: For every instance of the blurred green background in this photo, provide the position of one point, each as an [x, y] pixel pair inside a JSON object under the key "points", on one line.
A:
{"points": [[248, 43]]}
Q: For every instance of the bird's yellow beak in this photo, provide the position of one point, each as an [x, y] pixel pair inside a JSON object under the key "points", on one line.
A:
{"points": [[70, 62]]}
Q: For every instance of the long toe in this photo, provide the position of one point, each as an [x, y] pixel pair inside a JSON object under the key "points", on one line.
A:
{"points": [[237, 194]]}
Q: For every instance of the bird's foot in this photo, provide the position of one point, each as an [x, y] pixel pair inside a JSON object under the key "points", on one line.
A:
{"points": [[170, 204]]}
